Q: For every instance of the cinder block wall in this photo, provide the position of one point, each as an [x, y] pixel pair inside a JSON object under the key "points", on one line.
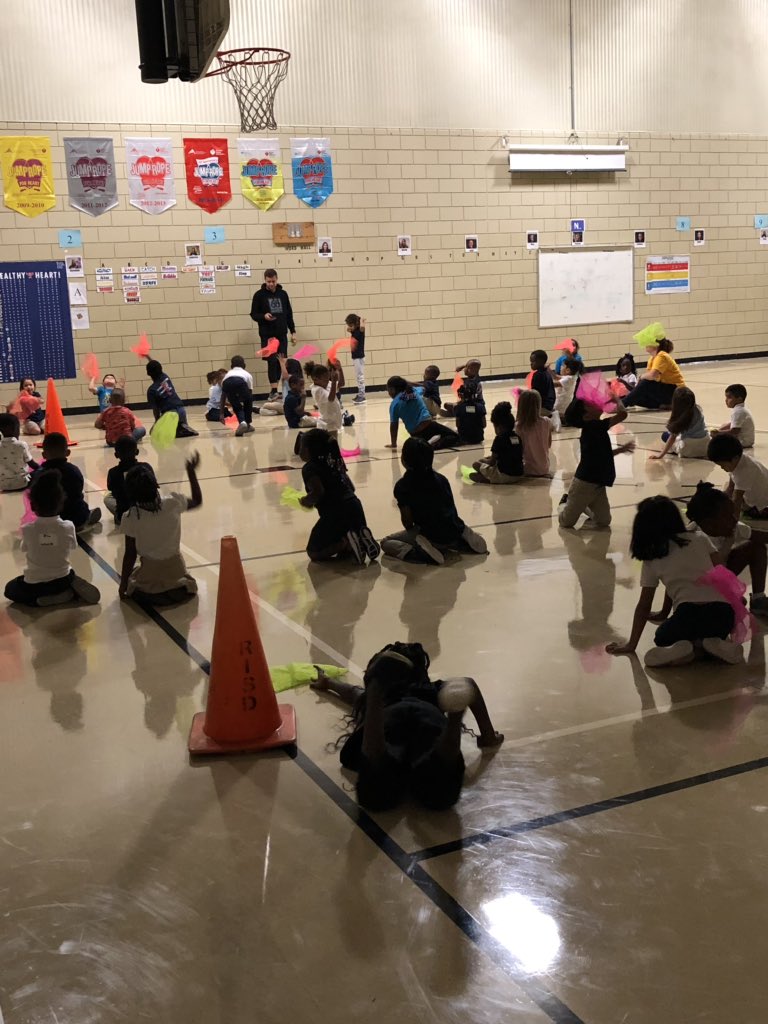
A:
{"points": [[438, 305]]}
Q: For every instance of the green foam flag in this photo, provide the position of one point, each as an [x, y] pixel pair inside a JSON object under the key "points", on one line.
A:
{"points": [[466, 474], [650, 335], [286, 677], [164, 431], [291, 498]]}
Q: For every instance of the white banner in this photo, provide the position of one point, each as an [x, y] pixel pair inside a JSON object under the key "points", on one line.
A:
{"points": [[150, 174]]}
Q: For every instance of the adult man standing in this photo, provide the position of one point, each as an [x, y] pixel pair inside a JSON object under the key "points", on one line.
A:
{"points": [[271, 309]]}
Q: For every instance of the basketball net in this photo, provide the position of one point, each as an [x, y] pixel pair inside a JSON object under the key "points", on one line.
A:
{"points": [[254, 74]]}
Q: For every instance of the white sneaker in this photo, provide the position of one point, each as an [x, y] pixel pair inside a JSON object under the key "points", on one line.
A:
{"points": [[678, 654], [242, 428], [455, 696], [427, 548], [723, 650]]}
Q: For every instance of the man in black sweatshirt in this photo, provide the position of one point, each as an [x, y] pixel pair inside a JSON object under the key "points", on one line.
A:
{"points": [[271, 309]]}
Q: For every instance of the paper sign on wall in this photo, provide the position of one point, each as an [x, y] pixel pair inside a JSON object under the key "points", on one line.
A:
{"points": [[207, 166], [312, 170], [150, 174], [27, 174], [667, 275], [261, 176], [91, 179]]}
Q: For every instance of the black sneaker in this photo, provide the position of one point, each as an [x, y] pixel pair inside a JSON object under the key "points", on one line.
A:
{"points": [[371, 546], [347, 419], [564, 499], [356, 546], [184, 431], [272, 395]]}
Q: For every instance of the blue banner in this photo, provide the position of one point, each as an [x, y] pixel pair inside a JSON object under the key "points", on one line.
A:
{"points": [[35, 322], [312, 170]]}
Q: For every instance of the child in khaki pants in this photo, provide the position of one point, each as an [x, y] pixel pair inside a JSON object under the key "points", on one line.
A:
{"points": [[596, 470]]}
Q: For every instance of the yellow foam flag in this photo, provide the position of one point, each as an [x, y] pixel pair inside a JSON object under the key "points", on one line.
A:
{"points": [[163, 433], [650, 335], [27, 174]]}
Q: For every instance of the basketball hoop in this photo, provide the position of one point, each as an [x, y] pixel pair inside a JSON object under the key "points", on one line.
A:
{"points": [[254, 73]]}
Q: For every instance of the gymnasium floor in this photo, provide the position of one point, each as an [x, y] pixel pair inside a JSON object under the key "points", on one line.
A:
{"points": [[606, 865]]}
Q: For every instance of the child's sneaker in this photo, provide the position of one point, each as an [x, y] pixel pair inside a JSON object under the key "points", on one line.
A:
{"points": [[85, 590], [427, 548], [455, 696], [371, 546], [358, 400], [242, 428], [759, 605], [50, 600], [474, 541], [676, 654], [347, 419], [356, 547], [723, 650]]}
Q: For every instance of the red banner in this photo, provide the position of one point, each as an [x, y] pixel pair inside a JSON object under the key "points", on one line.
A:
{"points": [[207, 164]]}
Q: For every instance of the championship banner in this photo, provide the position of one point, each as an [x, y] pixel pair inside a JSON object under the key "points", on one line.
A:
{"points": [[35, 322], [312, 171], [207, 164], [150, 174], [91, 175], [261, 176], [27, 174]]}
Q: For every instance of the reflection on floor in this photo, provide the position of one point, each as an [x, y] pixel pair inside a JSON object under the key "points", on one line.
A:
{"points": [[585, 875]]}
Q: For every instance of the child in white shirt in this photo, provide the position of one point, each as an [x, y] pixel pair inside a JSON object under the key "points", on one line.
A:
{"points": [[741, 424], [15, 457], [324, 392], [565, 388], [48, 542], [152, 530], [748, 485], [213, 405]]}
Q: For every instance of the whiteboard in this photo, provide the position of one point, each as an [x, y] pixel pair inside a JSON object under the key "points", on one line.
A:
{"points": [[585, 286]]}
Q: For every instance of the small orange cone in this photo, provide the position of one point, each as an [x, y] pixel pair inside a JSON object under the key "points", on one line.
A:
{"points": [[242, 713], [54, 417]]}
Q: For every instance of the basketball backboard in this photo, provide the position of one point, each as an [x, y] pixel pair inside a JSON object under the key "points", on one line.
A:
{"points": [[179, 38]]}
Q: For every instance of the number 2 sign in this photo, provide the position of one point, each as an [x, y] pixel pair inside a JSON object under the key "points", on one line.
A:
{"points": [[71, 239]]}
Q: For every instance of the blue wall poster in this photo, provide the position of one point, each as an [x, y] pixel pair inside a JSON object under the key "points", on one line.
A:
{"points": [[35, 322]]}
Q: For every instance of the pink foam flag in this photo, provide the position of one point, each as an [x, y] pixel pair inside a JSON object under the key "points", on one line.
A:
{"points": [[305, 352], [732, 590], [28, 516], [143, 348], [618, 388], [269, 349], [333, 351], [516, 392], [90, 367], [566, 345], [232, 422], [594, 389]]}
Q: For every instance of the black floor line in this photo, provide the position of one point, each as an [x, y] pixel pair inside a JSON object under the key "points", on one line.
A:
{"points": [[549, 1004], [598, 807]]}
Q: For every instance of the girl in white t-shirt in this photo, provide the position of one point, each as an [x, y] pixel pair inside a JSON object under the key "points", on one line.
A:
{"points": [[152, 530], [701, 617], [48, 542], [325, 385]]}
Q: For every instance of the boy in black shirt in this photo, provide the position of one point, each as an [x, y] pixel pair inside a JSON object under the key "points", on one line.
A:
{"points": [[356, 328], [293, 404], [470, 417], [162, 398], [428, 512], [596, 470], [505, 463], [126, 451], [431, 390], [75, 509], [541, 380]]}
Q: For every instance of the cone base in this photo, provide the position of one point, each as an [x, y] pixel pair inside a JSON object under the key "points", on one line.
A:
{"points": [[285, 736], [39, 444]]}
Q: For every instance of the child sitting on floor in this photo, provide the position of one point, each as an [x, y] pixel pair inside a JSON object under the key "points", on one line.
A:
{"points": [[535, 431], [75, 509], [408, 405], [117, 420], [565, 388], [626, 371], [428, 512], [701, 617], [104, 390], [596, 470], [505, 463], [15, 458], [162, 398], [736, 543], [741, 424], [686, 431], [430, 391], [473, 386], [470, 417], [748, 485], [294, 404], [341, 528], [28, 407], [48, 542], [288, 368], [406, 729], [213, 411], [565, 355], [116, 499], [152, 530]]}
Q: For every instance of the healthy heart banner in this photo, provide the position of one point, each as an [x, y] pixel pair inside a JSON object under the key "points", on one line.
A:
{"points": [[312, 171], [150, 174], [91, 175], [207, 166], [27, 174], [261, 176]]}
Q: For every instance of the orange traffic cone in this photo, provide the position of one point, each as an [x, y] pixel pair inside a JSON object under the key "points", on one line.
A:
{"points": [[54, 417], [242, 713]]}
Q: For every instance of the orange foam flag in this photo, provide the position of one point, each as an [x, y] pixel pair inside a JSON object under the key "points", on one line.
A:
{"points": [[333, 351], [269, 349], [90, 366], [143, 348], [458, 382], [566, 345]]}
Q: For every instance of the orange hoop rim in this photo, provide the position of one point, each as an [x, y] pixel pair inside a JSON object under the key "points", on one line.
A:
{"points": [[228, 60]]}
